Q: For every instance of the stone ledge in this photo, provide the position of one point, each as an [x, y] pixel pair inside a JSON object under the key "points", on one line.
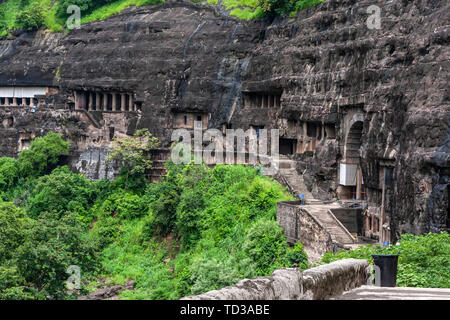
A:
{"points": [[318, 283]]}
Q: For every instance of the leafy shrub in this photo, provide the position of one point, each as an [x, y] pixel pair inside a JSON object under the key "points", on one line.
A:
{"points": [[61, 192], [51, 246], [43, 155], [266, 246], [9, 172], [423, 260], [297, 256], [32, 17], [163, 209], [12, 223], [284, 7], [277, 7], [124, 205], [13, 285], [210, 273]]}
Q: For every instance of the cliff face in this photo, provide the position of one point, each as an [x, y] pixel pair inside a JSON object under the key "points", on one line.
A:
{"points": [[386, 88]]}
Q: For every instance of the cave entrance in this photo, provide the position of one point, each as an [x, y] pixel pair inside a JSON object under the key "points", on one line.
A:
{"points": [[109, 102], [351, 177], [288, 146]]}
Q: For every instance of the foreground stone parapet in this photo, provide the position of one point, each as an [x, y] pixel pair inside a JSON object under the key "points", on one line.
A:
{"points": [[318, 283], [283, 284], [332, 279]]}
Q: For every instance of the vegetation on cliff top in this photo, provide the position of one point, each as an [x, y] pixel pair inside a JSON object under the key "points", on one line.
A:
{"points": [[50, 14], [200, 229]]}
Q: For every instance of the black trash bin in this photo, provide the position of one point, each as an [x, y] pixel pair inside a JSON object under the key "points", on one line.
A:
{"points": [[388, 268]]}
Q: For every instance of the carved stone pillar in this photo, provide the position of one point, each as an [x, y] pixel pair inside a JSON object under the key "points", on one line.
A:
{"points": [[122, 106], [105, 102], [114, 101], [91, 101], [97, 101], [131, 105]]}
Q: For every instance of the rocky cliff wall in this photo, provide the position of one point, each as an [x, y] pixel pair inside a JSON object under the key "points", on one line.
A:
{"points": [[326, 65]]}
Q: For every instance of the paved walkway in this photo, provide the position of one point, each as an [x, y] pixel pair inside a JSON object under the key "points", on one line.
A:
{"points": [[397, 293]]}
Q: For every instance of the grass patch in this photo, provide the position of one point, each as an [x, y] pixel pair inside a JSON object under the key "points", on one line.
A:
{"points": [[50, 16], [116, 7]]}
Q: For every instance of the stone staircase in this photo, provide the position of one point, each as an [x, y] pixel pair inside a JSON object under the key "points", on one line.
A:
{"points": [[294, 181], [339, 234], [316, 208]]}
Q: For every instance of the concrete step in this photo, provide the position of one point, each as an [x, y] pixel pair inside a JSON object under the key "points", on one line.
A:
{"points": [[396, 293], [335, 229]]}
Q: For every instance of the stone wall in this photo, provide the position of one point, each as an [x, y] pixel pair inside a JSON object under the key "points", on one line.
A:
{"points": [[318, 283], [352, 219], [300, 226]]}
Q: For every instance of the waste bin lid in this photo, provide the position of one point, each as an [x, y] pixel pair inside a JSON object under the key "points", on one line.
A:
{"points": [[385, 255]]}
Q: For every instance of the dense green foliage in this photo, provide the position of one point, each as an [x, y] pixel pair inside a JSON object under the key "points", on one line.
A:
{"points": [[424, 261], [52, 15], [199, 229]]}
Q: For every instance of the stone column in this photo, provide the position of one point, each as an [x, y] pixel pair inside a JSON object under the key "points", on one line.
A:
{"points": [[14, 101], [91, 101], [114, 102], [122, 106], [75, 94], [131, 105], [97, 101], [105, 102]]}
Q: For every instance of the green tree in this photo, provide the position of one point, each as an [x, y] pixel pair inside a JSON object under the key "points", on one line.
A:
{"points": [[9, 172], [43, 155], [52, 246], [32, 17], [132, 152], [12, 224], [297, 256], [266, 246], [61, 192], [284, 7]]}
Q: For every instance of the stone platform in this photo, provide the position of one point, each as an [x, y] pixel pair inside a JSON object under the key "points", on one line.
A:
{"points": [[397, 293]]}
